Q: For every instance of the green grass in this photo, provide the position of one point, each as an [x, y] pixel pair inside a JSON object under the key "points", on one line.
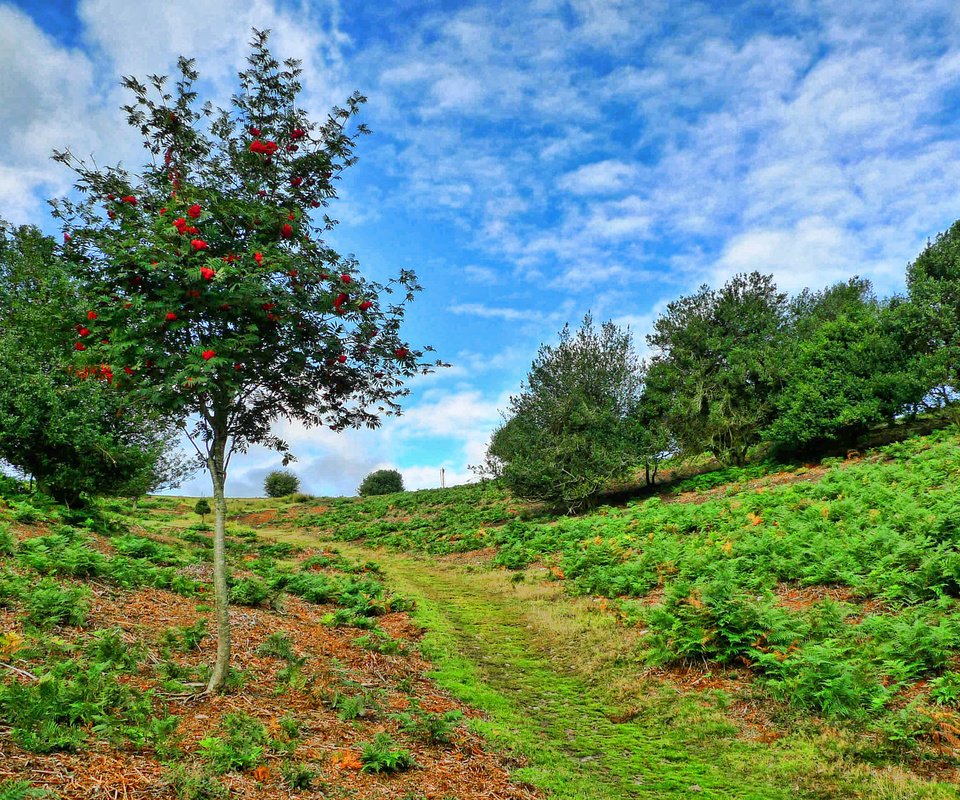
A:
{"points": [[857, 680], [883, 534], [490, 647]]}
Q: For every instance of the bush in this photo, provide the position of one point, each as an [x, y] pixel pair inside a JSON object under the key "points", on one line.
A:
{"points": [[299, 776], [71, 699], [22, 790], [241, 746], [433, 727], [249, 592], [195, 784], [380, 756], [7, 542], [202, 508], [280, 483], [382, 481], [278, 645], [47, 604]]}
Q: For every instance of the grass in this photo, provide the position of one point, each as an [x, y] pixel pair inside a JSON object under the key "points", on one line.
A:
{"points": [[831, 595], [788, 633], [563, 692], [871, 547]]}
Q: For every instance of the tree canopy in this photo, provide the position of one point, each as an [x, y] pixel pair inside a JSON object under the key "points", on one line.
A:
{"points": [[568, 431], [381, 481], [68, 429], [715, 364]]}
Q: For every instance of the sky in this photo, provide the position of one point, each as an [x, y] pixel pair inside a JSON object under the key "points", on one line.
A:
{"points": [[533, 161]]}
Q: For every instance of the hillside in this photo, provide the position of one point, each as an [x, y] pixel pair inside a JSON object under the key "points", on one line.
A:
{"points": [[768, 632], [104, 652]]}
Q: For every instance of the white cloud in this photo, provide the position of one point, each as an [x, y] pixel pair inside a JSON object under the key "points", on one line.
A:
{"points": [[483, 275], [494, 312], [46, 96], [603, 177], [144, 38], [448, 414], [814, 252]]}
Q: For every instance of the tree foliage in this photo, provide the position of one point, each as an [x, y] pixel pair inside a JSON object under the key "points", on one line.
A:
{"points": [[844, 369], [217, 298], [202, 508], [381, 481], [569, 431], [280, 483], [931, 319], [714, 369], [70, 430]]}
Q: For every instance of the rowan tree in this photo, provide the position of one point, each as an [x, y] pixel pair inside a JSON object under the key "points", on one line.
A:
{"points": [[219, 300]]}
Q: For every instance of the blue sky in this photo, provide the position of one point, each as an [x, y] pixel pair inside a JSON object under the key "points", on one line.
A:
{"points": [[536, 160]]}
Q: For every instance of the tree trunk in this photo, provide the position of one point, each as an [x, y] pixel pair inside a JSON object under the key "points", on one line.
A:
{"points": [[218, 475]]}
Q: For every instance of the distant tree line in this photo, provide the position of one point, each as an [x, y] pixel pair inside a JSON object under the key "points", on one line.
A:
{"points": [[732, 369]]}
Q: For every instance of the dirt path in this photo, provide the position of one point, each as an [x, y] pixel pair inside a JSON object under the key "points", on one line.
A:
{"points": [[542, 667]]}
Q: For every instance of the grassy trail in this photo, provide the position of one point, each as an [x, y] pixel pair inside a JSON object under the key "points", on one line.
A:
{"points": [[511, 651], [487, 654]]}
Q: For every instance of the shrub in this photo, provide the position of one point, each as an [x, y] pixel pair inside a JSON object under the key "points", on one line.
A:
{"points": [[278, 549], [300, 497], [380, 755], [202, 508], [280, 483], [12, 587], [47, 604], [435, 728], [107, 648], [71, 698], [195, 784], [945, 690], [7, 542], [249, 592], [241, 745], [710, 619], [186, 637], [278, 645], [350, 707], [299, 776], [141, 547], [824, 677], [22, 790], [378, 642], [382, 481]]}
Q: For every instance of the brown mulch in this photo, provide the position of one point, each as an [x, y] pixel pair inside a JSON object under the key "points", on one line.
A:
{"points": [[465, 769], [254, 518], [811, 473], [796, 598]]}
